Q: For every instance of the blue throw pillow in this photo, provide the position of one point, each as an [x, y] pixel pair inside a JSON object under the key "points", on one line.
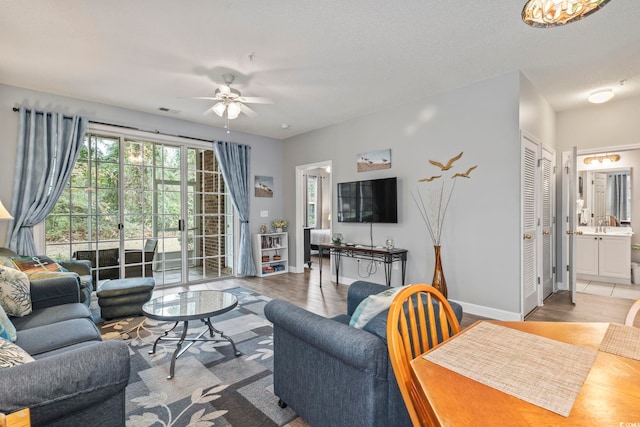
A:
{"points": [[7, 330], [372, 306]]}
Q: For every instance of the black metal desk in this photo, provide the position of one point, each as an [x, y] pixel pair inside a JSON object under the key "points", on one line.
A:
{"points": [[387, 256]]}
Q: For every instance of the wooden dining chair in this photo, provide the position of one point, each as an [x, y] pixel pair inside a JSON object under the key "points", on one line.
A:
{"points": [[633, 312], [419, 318]]}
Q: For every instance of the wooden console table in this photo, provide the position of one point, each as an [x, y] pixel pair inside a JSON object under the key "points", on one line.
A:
{"points": [[372, 253]]}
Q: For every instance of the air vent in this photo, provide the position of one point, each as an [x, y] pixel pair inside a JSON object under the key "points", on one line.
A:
{"points": [[164, 109]]}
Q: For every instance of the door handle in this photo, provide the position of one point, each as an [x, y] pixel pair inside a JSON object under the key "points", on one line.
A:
{"points": [[546, 232], [527, 236]]}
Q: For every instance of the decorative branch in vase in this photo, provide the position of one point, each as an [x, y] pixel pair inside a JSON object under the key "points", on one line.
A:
{"points": [[433, 210]]}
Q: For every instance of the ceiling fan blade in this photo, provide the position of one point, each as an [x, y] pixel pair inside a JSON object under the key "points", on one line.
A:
{"points": [[209, 110], [205, 97], [248, 111], [255, 100]]}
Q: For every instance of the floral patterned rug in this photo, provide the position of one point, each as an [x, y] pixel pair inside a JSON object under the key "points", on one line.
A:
{"points": [[211, 386]]}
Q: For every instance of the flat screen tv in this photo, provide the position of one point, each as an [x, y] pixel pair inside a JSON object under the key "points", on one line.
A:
{"points": [[374, 200]]}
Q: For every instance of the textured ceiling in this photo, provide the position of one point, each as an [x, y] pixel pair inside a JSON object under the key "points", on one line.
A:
{"points": [[321, 62]]}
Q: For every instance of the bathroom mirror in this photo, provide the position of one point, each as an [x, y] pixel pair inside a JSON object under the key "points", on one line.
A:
{"points": [[606, 196]]}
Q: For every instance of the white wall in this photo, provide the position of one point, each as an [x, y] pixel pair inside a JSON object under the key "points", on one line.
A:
{"points": [[481, 238], [613, 124], [266, 153]]}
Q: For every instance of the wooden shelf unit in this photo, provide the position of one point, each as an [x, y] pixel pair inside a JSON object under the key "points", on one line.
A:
{"points": [[266, 250]]}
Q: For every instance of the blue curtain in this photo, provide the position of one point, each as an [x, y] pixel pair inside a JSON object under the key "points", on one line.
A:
{"points": [[234, 164], [48, 146]]}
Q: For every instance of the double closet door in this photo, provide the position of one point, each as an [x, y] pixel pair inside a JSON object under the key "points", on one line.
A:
{"points": [[538, 223], [159, 205]]}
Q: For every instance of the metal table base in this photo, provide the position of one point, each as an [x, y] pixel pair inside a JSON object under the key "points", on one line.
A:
{"points": [[183, 337]]}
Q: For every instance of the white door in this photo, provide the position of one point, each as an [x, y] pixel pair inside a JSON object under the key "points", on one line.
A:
{"points": [[529, 191], [548, 220], [570, 187]]}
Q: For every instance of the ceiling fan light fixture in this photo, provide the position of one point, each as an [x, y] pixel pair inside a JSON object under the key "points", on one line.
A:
{"points": [[233, 110], [600, 96], [219, 108], [553, 13]]}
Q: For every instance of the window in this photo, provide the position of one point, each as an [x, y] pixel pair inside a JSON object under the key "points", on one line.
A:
{"points": [[312, 200]]}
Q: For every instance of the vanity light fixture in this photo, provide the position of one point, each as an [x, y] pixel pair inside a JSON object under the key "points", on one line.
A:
{"points": [[600, 96], [553, 13], [607, 157]]}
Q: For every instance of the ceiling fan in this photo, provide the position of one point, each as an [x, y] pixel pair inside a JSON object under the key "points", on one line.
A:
{"points": [[231, 102]]}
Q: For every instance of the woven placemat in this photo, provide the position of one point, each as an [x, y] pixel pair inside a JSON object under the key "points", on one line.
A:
{"points": [[538, 370], [622, 340]]}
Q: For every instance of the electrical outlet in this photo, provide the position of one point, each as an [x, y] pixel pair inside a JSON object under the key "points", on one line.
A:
{"points": [[264, 214], [395, 265]]}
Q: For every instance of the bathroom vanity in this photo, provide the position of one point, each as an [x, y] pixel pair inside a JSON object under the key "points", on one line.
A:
{"points": [[604, 254]]}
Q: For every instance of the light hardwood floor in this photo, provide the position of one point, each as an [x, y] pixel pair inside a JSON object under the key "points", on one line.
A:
{"points": [[330, 300]]}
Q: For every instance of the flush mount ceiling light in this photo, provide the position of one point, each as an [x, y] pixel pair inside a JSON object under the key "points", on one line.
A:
{"points": [[600, 96], [553, 13], [611, 158]]}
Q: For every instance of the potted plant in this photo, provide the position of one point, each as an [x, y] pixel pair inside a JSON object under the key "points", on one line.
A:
{"points": [[279, 224]]}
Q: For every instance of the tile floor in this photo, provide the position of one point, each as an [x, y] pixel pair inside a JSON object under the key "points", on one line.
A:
{"points": [[608, 289]]}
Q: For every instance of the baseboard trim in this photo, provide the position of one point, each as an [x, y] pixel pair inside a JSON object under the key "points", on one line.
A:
{"points": [[489, 312]]}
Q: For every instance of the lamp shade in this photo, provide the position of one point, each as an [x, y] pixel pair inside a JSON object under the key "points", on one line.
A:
{"points": [[233, 110], [4, 213], [219, 108]]}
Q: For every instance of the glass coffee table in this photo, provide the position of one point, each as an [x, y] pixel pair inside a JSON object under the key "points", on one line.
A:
{"points": [[186, 306]]}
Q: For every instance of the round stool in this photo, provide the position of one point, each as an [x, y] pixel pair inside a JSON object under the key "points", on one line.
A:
{"points": [[124, 297]]}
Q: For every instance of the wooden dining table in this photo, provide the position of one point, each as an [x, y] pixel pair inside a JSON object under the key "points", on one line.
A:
{"points": [[609, 396]]}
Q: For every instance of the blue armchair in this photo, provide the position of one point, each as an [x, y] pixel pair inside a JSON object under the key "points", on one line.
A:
{"points": [[332, 374]]}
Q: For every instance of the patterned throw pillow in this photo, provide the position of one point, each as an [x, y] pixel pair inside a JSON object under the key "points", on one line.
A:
{"points": [[15, 292], [30, 264], [7, 330], [371, 306], [12, 355]]}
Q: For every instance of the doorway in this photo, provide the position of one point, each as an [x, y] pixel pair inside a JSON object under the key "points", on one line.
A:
{"points": [[592, 207], [314, 200]]}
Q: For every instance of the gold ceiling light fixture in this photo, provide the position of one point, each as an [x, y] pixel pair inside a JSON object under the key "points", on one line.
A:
{"points": [[553, 13], [607, 158]]}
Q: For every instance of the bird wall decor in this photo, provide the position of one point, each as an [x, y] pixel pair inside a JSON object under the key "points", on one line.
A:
{"points": [[449, 163]]}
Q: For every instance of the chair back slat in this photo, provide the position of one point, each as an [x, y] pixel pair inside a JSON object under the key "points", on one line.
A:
{"points": [[413, 327], [633, 312]]}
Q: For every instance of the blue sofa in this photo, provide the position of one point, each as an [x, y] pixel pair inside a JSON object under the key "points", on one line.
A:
{"points": [[76, 378], [332, 374], [82, 276]]}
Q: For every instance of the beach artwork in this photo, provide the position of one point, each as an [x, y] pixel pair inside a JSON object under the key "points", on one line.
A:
{"points": [[374, 160], [264, 186]]}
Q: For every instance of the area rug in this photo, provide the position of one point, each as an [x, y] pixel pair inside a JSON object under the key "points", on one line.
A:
{"points": [[211, 387]]}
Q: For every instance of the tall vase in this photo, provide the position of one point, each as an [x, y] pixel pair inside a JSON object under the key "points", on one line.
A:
{"points": [[438, 281]]}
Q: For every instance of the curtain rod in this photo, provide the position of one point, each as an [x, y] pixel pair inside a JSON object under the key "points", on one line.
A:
{"points": [[157, 132]]}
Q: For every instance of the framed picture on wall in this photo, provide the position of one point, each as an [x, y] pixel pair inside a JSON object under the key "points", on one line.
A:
{"points": [[264, 186], [374, 160]]}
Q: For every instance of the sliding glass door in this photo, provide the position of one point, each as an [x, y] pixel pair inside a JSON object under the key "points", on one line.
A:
{"points": [[136, 207]]}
